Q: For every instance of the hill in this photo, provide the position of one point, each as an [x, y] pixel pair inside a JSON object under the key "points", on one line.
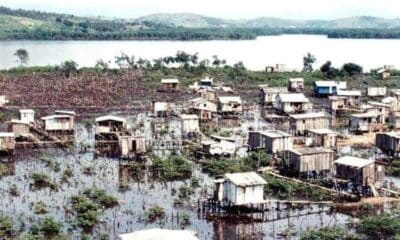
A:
{"points": [[35, 25]]}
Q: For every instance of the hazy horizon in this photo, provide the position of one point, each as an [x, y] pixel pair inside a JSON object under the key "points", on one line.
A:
{"points": [[307, 10]]}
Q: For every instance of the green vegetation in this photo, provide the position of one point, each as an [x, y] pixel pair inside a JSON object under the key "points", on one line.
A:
{"points": [[35, 25], [6, 227], [40, 208], [285, 189], [47, 227], [86, 212], [42, 180], [327, 233], [172, 168], [385, 226], [99, 196], [254, 161], [23, 56], [154, 213], [394, 168]]}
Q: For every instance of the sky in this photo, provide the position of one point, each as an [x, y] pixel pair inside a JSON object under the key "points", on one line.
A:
{"points": [[230, 9]]}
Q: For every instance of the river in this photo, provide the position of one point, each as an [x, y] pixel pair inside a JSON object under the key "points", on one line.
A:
{"points": [[255, 54]]}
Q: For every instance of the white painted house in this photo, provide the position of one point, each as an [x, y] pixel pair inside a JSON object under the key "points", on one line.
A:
{"points": [[240, 188], [190, 123], [27, 115], [59, 122]]}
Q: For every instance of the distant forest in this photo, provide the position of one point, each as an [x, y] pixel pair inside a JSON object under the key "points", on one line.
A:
{"points": [[34, 25]]}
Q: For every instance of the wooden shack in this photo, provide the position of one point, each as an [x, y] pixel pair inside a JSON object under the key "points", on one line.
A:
{"points": [[271, 141], [206, 82], [203, 108], [289, 103], [268, 94], [170, 84], [389, 143], [240, 188], [59, 123], [353, 96], [110, 124], [208, 94], [338, 104], [132, 146], [359, 171], [296, 85], [309, 161], [27, 115], [376, 91], [7, 142], [162, 109], [3, 100], [384, 73], [230, 105], [299, 123], [364, 122], [322, 137], [18, 127], [394, 120], [189, 123], [221, 147], [380, 109], [328, 88]]}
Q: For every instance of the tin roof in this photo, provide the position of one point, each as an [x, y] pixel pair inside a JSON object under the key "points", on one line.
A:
{"points": [[26, 111], [354, 161], [349, 93], [55, 117], [275, 90], [322, 131], [7, 134], [274, 134], [308, 115], [392, 134], [380, 104], [159, 234], [296, 79], [228, 99], [189, 116], [170, 80], [110, 118], [72, 113], [293, 97], [311, 150], [245, 179], [341, 85]]}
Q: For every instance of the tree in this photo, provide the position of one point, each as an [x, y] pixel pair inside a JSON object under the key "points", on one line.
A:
{"points": [[329, 71], [22, 55], [216, 62], [69, 67], [101, 65], [351, 69], [308, 61]]}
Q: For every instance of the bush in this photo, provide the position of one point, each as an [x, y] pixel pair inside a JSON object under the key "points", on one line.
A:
{"points": [[154, 213], [385, 226], [100, 197], [6, 227], [222, 166], [86, 212], [172, 168], [327, 234], [50, 227]]}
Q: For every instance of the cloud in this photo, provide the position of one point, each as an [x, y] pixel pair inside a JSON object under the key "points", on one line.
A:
{"points": [[306, 9]]}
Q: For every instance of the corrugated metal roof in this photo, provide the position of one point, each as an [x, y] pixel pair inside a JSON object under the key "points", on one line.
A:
{"points": [[7, 134], [354, 161], [171, 80], [308, 115], [55, 117], [228, 99], [380, 104], [245, 179], [275, 90], [296, 79], [311, 150], [26, 111], [110, 118], [159, 234], [364, 115], [350, 93], [392, 134], [322, 131], [189, 116], [340, 85], [275, 134], [293, 97]]}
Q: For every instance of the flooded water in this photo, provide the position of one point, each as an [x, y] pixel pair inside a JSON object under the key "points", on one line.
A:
{"points": [[256, 54], [130, 215]]}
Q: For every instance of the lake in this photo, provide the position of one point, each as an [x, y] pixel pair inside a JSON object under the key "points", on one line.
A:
{"points": [[256, 54]]}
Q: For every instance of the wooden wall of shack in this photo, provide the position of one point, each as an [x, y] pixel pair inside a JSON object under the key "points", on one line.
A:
{"points": [[303, 163], [388, 144], [370, 174], [299, 126]]}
